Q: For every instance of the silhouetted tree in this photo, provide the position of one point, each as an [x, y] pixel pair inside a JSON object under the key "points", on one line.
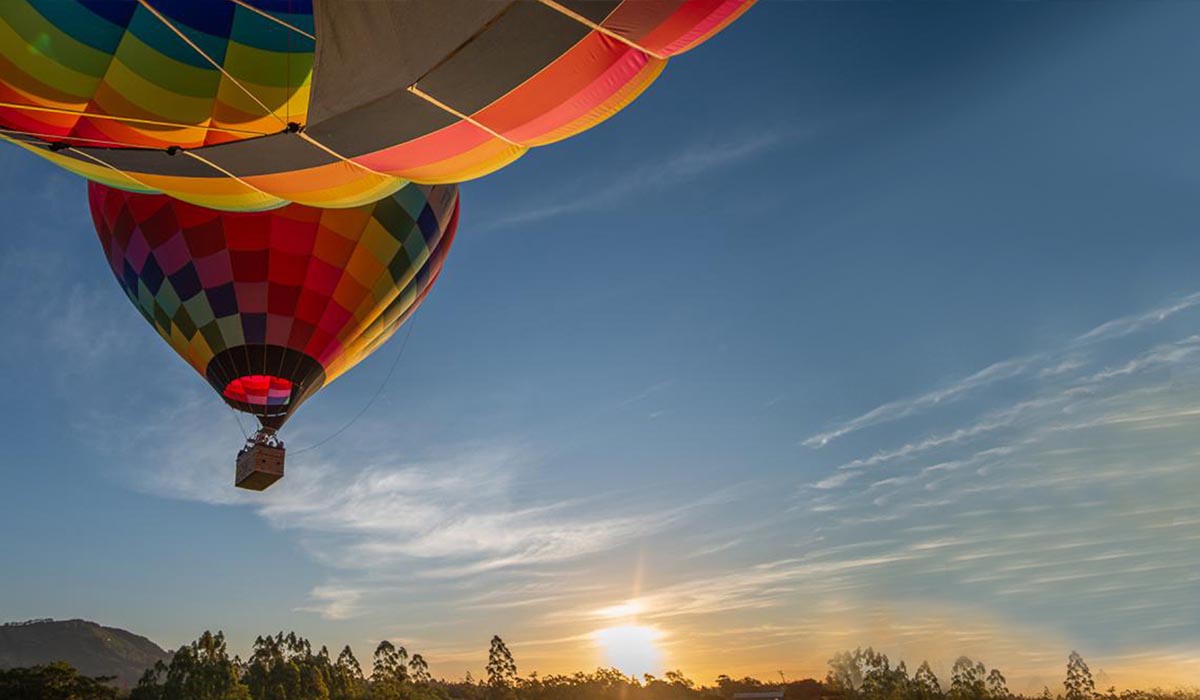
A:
{"points": [[876, 675], [845, 674], [396, 677], [55, 681], [678, 680], [880, 680], [418, 669], [385, 662], [925, 684], [284, 667], [347, 682], [149, 686], [968, 680], [390, 663], [867, 674], [201, 670], [997, 686], [728, 687], [1078, 684], [501, 668]]}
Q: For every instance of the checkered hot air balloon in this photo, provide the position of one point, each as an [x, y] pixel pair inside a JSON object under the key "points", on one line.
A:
{"points": [[271, 306]]}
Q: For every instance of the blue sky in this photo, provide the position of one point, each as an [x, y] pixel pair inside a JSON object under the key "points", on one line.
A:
{"points": [[867, 324]]}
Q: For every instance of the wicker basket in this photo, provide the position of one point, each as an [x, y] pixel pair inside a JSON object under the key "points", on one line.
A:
{"points": [[259, 466]]}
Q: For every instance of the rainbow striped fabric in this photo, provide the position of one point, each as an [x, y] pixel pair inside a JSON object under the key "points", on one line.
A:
{"points": [[246, 105], [270, 306], [121, 74]]}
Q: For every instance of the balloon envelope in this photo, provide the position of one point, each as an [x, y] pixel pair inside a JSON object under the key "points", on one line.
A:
{"points": [[271, 306], [249, 104]]}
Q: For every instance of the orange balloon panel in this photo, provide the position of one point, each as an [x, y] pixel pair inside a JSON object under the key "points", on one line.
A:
{"points": [[332, 103]]}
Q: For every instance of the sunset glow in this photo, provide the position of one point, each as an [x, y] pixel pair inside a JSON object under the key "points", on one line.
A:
{"points": [[626, 609], [631, 649], [870, 326]]}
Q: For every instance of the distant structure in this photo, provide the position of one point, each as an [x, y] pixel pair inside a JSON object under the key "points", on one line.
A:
{"points": [[26, 623], [772, 694]]}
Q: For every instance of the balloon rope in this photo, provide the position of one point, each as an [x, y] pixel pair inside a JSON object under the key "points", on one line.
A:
{"points": [[130, 120], [187, 40], [51, 138], [239, 421], [227, 173], [382, 386], [558, 7], [273, 18], [287, 70], [111, 167], [461, 115], [348, 161]]}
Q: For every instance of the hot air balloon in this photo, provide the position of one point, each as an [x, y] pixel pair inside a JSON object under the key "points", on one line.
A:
{"points": [[245, 105], [251, 160], [271, 306]]}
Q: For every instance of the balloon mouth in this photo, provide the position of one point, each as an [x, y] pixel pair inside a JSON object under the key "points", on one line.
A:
{"points": [[268, 381], [262, 391]]}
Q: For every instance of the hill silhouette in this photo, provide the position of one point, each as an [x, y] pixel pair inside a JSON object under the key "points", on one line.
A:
{"points": [[93, 649]]}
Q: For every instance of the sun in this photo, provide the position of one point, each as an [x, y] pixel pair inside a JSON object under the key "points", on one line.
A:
{"points": [[631, 649]]}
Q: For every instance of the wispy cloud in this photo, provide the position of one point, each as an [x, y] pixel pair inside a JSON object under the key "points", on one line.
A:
{"points": [[653, 175], [74, 319], [717, 548], [335, 602], [1161, 356], [387, 521], [83, 330], [460, 513], [1125, 325], [996, 420], [1059, 492], [900, 409], [1061, 362]]}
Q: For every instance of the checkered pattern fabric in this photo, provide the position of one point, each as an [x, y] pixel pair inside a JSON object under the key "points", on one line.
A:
{"points": [[263, 302]]}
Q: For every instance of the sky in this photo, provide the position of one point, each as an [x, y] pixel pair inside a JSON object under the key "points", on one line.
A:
{"points": [[868, 324]]}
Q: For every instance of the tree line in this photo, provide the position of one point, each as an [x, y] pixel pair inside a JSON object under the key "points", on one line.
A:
{"points": [[286, 667], [865, 674]]}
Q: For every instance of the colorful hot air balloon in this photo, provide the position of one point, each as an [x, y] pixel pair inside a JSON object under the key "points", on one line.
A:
{"points": [[271, 306], [302, 121], [250, 104]]}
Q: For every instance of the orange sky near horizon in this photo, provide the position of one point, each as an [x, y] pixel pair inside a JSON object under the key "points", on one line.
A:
{"points": [[799, 643]]}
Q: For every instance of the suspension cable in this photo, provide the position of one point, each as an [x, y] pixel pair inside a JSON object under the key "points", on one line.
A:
{"points": [[238, 418], [382, 386]]}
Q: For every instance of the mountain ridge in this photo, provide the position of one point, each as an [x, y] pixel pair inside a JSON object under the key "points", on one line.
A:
{"points": [[93, 649]]}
